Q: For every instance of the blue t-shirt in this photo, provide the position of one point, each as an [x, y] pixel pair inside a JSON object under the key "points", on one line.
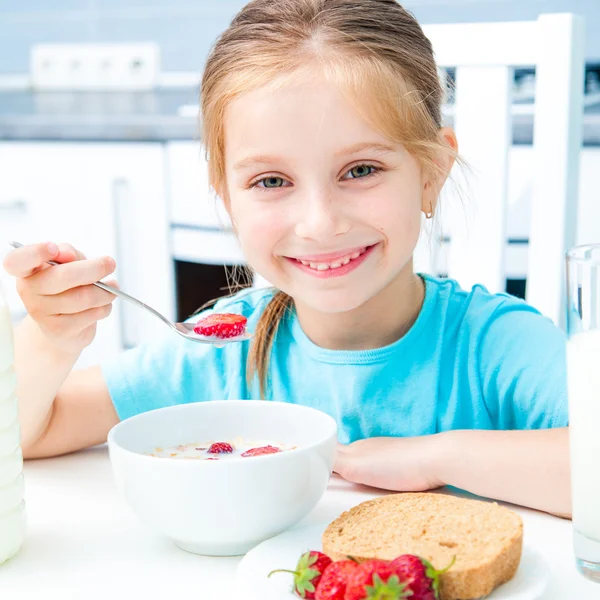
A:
{"points": [[472, 360]]}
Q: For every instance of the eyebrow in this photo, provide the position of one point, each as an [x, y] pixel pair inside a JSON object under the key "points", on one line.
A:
{"points": [[252, 161], [363, 146]]}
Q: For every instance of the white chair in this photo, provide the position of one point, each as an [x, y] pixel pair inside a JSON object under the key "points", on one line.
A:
{"points": [[485, 56]]}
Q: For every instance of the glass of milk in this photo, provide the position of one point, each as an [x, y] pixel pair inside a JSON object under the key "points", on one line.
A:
{"points": [[583, 375], [12, 506]]}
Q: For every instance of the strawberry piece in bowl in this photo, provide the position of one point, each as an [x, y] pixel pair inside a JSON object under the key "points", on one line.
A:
{"points": [[220, 448], [261, 451], [221, 325]]}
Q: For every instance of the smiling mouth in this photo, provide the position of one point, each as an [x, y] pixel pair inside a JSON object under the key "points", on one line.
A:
{"points": [[334, 263]]}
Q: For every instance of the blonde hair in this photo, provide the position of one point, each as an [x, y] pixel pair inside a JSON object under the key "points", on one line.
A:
{"points": [[374, 50]]}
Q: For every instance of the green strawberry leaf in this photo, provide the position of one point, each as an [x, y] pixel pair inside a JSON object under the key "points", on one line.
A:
{"points": [[306, 560], [303, 578], [303, 581], [432, 573], [303, 575], [392, 589]]}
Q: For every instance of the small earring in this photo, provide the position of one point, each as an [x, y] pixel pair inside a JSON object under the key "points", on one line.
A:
{"points": [[429, 215]]}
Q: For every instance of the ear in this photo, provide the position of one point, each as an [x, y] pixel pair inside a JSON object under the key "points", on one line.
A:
{"points": [[445, 160]]}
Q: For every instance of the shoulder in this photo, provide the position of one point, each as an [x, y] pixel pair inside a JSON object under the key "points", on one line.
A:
{"points": [[500, 332], [482, 312], [516, 355]]}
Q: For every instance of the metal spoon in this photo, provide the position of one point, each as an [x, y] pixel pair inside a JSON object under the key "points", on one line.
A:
{"points": [[184, 329]]}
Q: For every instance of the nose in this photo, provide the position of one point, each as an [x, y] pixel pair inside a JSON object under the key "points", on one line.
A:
{"points": [[321, 217]]}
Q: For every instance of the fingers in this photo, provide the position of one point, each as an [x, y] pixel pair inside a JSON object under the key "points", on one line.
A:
{"points": [[68, 253], [68, 326], [72, 301], [61, 298], [23, 262], [340, 459], [61, 278], [28, 260]]}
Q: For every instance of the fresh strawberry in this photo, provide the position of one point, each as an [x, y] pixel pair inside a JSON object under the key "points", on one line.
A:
{"points": [[262, 450], [375, 579], [220, 448], [221, 325], [308, 573], [334, 580], [419, 575]]}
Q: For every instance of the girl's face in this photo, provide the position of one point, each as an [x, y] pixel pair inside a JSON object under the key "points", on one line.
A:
{"points": [[326, 208]]}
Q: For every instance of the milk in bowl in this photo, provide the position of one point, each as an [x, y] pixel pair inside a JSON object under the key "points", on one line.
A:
{"points": [[221, 450]]}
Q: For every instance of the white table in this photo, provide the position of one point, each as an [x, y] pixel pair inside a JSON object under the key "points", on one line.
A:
{"points": [[84, 543]]}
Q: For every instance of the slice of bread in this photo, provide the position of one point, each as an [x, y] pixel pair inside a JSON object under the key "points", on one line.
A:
{"points": [[486, 538]]}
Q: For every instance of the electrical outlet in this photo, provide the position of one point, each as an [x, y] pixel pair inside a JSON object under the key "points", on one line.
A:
{"points": [[95, 66]]}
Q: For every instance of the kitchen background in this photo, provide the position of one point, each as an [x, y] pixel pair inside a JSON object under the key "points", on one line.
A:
{"points": [[112, 162], [185, 29]]}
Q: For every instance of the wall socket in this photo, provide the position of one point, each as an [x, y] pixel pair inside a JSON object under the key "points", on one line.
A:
{"points": [[95, 66]]}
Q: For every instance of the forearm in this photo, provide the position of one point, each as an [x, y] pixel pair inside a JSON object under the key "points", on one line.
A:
{"points": [[530, 468], [41, 369]]}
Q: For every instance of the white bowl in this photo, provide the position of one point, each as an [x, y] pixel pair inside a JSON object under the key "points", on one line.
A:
{"points": [[225, 507]]}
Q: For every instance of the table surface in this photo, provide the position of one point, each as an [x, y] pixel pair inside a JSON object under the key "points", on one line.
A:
{"points": [[85, 543]]}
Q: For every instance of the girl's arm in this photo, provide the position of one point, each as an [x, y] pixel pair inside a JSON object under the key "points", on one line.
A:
{"points": [[81, 415], [530, 468], [59, 411]]}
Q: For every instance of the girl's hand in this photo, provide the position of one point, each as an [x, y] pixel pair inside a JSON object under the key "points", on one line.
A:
{"points": [[399, 464], [60, 298]]}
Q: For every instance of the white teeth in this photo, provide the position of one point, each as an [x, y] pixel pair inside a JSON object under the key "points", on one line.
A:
{"points": [[333, 265]]}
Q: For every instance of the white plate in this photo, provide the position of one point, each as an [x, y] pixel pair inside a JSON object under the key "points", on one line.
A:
{"points": [[283, 551]]}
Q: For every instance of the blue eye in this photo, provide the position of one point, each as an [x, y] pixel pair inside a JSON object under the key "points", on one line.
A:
{"points": [[361, 170], [271, 182]]}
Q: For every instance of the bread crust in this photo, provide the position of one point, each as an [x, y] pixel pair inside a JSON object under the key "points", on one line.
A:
{"points": [[485, 558]]}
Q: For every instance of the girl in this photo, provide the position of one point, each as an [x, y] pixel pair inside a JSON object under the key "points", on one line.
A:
{"points": [[321, 119]]}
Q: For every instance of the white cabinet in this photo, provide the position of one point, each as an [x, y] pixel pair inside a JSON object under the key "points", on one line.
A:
{"points": [[106, 199], [193, 203], [202, 230]]}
